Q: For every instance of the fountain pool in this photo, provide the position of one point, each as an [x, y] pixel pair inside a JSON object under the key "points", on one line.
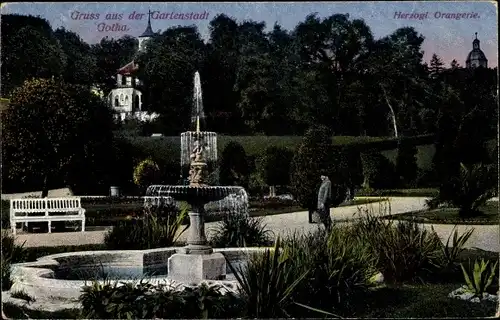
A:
{"points": [[61, 277]]}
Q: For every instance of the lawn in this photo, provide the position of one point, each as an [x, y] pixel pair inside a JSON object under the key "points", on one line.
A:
{"points": [[421, 192], [489, 216]]}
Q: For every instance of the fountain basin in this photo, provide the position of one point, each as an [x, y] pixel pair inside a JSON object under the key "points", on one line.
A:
{"points": [[61, 277], [190, 194]]}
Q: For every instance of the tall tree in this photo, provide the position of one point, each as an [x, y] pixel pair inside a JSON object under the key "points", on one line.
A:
{"points": [[167, 70], [395, 67], [454, 64], [274, 167], [81, 64], [252, 77], [436, 66], [65, 126], [30, 52], [219, 76], [335, 48]]}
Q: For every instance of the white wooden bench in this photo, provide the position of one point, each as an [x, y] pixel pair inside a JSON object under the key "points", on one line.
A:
{"points": [[30, 210]]}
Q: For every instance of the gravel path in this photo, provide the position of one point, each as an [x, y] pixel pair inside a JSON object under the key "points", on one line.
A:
{"points": [[485, 237]]}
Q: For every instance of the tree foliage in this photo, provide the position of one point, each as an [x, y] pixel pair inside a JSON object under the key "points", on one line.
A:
{"points": [[472, 187], [275, 166], [234, 167], [406, 163], [146, 173], [56, 133], [328, 71], [314, 157]]}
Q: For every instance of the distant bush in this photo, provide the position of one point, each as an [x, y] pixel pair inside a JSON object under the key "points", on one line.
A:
{"points": [[146, 173], [316, 156], [426, 179], [378, 171], [234, 166], [5, 269], [10, 250], [406, 163], [5, 211], [470, 189], [274, 166]]}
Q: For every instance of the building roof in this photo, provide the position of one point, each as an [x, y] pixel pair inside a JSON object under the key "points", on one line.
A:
{"points": [[128, 69], [476, 53], [148, 33]]}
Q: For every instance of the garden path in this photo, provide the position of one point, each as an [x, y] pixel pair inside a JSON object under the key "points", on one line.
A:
{"points": [[485, 237]]}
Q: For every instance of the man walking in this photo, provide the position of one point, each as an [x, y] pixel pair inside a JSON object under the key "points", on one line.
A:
{"points": [[324, 198]]}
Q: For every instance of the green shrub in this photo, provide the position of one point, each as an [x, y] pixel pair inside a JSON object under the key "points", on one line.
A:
{"points": [[274, 166], [405, 251], [481, 277], [452, 252], [146, 173], [6, 281], [156, 229], [426, 178], [314, 157], [406, 163], [352, 168], [470, 189], [378, 171], [10, 250], [146, 301], [267, 283], [11, 253], [340, 266], [241, 231], [234, 166]]}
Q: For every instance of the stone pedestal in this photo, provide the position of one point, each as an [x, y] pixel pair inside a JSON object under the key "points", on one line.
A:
{"points": [[196, 261], [197, 241], [193, 268]]}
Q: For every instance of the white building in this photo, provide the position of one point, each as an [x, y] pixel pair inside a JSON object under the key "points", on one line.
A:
{"points": [[126, 100]]}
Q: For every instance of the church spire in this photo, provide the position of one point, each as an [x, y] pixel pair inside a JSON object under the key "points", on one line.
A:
{"points": [[148, 33]]}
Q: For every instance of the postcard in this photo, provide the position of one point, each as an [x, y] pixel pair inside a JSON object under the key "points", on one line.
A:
{"points": [[249, 159]]}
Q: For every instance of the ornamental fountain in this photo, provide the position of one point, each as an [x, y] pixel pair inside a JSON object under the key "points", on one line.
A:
{"points": [[190, 139], [197, 261]]}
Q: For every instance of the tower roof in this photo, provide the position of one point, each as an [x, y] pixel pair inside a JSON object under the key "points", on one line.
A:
{"points": [[476, 53], [148, 33], [128, 69]]}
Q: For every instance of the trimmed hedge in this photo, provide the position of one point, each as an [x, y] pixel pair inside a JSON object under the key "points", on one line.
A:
{"points": [[169, 146]]}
